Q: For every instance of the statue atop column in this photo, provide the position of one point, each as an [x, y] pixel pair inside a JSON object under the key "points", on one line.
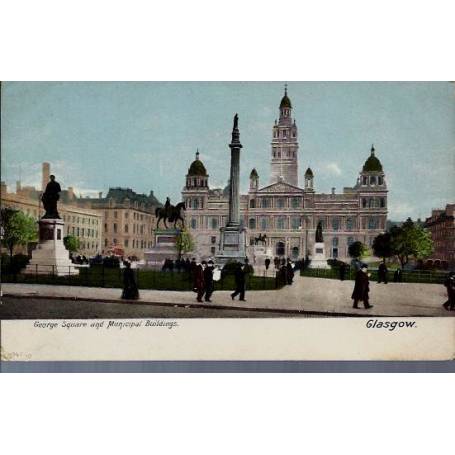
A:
{"points": [[319, 238], [50, 197]]}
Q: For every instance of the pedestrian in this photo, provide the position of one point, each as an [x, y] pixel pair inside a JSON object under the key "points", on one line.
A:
{"points": [[397, 276], [450, 285], [361, 288], [382, 273], [208, 281], [342, 271], [130, 290], [276, 262], [267, 263], [289, 271], [239, 276], [198, 285]]}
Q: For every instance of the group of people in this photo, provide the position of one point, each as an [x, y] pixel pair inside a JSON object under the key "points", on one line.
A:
{"points": [[180, 265]]}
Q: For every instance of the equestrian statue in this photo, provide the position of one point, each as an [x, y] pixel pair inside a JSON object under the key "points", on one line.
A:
{"points": [[262, 239], [170, 213]]}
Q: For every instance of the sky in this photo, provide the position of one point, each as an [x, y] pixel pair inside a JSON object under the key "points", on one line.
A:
{"points": [[144, 135]]}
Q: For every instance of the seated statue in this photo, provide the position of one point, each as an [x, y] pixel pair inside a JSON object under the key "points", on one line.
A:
{"points": [[50, 197]]}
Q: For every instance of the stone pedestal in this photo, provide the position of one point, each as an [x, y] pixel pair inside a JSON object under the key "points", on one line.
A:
{"points": [[165, 248], [50, 255], [319, 258], [260, 254], [232, 245]]}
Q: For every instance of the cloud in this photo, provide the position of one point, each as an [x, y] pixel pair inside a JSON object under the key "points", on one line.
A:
{"points": [[333, 168], [400, 211]]}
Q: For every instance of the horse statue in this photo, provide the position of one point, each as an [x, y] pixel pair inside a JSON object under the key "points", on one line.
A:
{"points": [[170, 213], [262, 238]]}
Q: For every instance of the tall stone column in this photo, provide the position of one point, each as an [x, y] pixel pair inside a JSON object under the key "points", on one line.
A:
{"points": [[234, 192]]}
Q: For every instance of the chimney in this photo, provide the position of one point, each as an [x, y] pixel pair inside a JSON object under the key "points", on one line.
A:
{"points": [[70, 193], [100, 195], [46, 174], [18, 186], [333, 190]]}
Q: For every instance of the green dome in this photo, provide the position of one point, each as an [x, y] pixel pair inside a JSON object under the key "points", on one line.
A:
{"points": [[197, 167], [309, 172], [372, 164]]}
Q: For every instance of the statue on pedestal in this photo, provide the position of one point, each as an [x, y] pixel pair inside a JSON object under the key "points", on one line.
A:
{"points": [[50, 197], [170, 213]]}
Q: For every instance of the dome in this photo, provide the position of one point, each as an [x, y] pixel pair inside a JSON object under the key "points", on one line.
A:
{"points": [[254, 174], [197, 167], [285, 102], [372, 164], [309, 172]]}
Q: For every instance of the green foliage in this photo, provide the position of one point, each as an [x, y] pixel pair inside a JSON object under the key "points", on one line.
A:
{"points": [[18, 228], [410, 240], [13, 264], [184, 242], [382, 246], [357, 250], [71, 243]]}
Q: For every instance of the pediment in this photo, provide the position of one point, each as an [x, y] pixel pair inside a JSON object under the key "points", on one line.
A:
{"points": [[281, 187]]}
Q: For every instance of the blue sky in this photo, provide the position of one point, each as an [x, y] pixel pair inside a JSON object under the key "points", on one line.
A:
{"points": [[144, 135]]}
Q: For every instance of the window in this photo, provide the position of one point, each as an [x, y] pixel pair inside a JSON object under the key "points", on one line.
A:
{"points": [[72, 230], [295, 202], [364, 203], [115, 228], [264, 223], [280, 203], [105, 242], [335, 241], [382, 202], [77, 232], [252, 223], [195, 203], [372, 223], [193, 223], [266, 203], [335, 224], [214, 223], [212, 250], [349, 224], [380, 180], [281, 222], [126, 228], [364, 180], [350, 241], [213, 239], [252, 203], [285, 133], [295, 222], [373, 180]]}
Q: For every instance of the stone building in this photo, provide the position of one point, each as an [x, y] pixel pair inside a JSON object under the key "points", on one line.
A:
{"points": [[128, 220], [284, 211], [441, 224]]}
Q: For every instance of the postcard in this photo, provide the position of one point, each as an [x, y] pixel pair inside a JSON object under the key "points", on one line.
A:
{"points": [[227, 221]]}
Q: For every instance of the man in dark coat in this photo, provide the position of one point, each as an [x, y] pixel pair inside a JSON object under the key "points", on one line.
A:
{"points": [[361, 288], [382, 273], [342, 271], [289, 272], [198, 285], [450, 285], [209, 286], [130, 291], [267, 263], [240, 282], [397, 276]]}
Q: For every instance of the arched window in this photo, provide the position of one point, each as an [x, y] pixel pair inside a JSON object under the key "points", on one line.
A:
{"points": [[373, 180], [252, 203], [252, 223]]}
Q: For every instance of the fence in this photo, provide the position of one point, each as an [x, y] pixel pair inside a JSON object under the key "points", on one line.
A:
{"points": [[107, 277], [408, 276]]}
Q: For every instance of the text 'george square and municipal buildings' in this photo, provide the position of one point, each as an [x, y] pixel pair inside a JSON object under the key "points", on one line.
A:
{"points": [[286, 213]]}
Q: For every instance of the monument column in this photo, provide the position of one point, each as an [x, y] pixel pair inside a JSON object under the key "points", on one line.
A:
{"points": [[234, 194], [232, 245]]}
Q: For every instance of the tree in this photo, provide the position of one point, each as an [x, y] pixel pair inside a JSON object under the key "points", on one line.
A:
{"points": [[410, 240], [357, 250], [184, 242], [382, 246], [71, 243], [18, 228]]}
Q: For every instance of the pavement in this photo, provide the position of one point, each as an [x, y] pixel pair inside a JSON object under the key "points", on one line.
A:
{"points": [[306, 294]]}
